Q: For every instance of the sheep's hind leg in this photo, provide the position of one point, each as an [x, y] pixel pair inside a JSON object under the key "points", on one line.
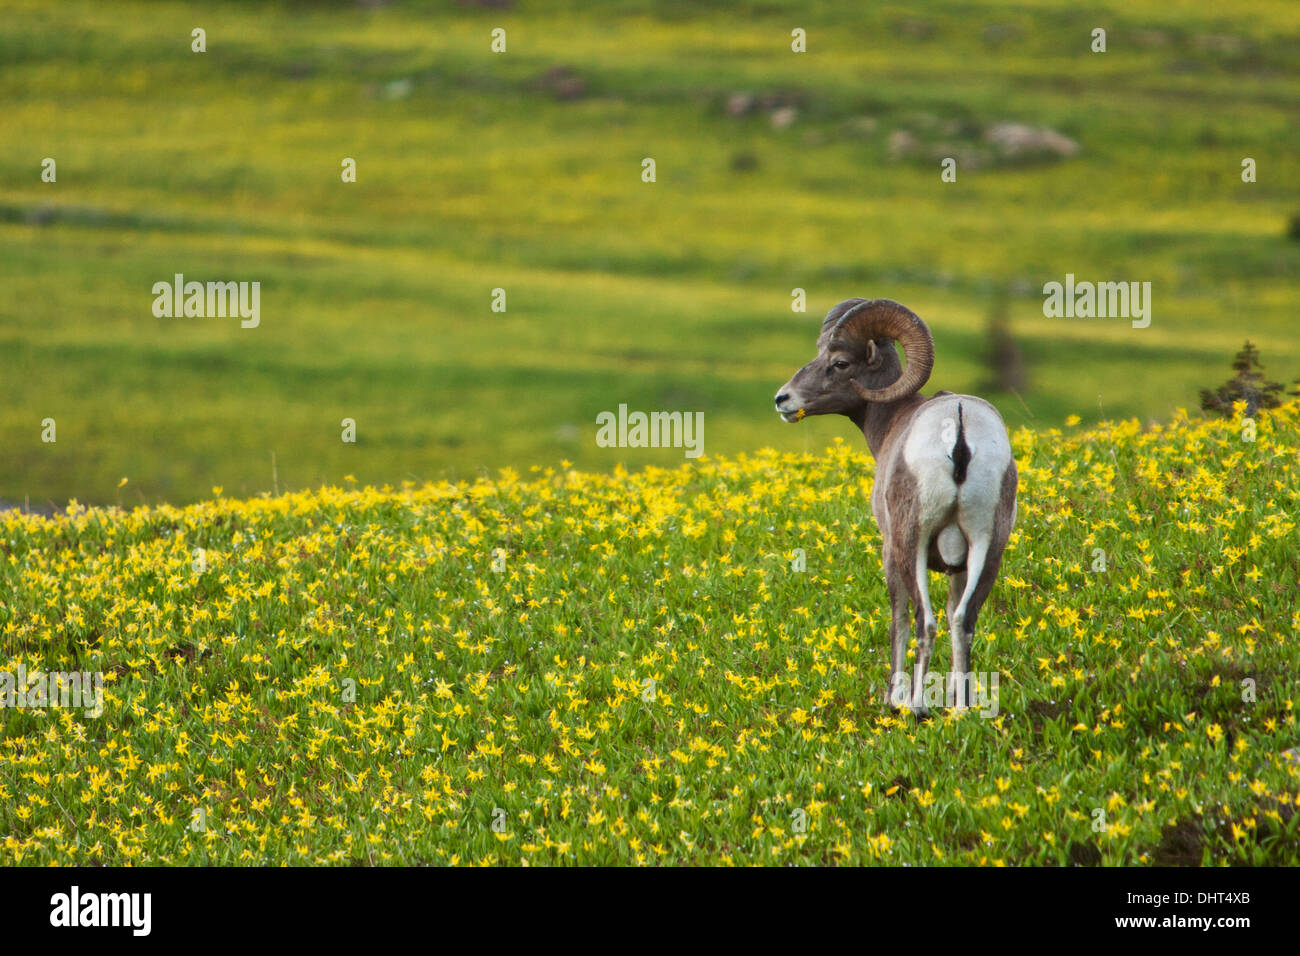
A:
{"points": [[896, 695], [926, 629], [974, 595], [960, 632]]}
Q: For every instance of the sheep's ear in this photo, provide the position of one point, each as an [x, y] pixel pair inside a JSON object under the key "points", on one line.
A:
{"points": [[873, 353]]}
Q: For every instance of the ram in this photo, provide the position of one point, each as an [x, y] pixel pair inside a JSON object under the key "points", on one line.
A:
{"points": [[945, 489]]}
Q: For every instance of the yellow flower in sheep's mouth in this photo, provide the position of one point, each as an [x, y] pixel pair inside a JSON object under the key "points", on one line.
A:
{"points": [[799, 415]]}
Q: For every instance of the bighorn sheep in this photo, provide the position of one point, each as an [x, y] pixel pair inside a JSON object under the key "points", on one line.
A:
{"points": [[945, 489]]}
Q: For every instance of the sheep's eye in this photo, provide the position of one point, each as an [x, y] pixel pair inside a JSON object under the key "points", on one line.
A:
{"points": [[841, 364]]}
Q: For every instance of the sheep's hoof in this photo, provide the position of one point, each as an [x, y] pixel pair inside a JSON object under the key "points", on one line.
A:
{"points": [[898, 695]]}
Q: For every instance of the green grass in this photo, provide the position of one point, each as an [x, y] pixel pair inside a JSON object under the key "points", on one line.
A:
{"points": [[377, 676], [676, 295]]}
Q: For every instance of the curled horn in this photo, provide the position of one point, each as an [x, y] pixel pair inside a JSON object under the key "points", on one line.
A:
{"points": [[886, 319]]}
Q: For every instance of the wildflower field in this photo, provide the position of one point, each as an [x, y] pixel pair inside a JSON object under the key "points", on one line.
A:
{"points": [[630, 669]]}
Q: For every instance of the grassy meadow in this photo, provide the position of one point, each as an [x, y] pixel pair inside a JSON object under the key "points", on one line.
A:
{"points": [[522, 171], [568, 667]]}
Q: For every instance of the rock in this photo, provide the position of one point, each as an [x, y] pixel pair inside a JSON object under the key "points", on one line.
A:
{"points": [[903, 144], [784, 117], [740, 104], [1020, 141]]}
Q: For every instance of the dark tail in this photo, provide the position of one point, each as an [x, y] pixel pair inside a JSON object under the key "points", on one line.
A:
{"points": [[960, 451]]}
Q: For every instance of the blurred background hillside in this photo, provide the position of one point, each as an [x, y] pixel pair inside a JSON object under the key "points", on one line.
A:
{"points": [[522, 171]]}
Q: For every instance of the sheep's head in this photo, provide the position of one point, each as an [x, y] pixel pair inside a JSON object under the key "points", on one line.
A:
{"points": [[856, 362]]}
